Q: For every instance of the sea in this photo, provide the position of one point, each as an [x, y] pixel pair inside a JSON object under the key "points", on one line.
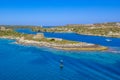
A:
{"points": [[20, 62]]}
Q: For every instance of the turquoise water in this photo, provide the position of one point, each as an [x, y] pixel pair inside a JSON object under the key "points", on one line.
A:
{"points": [[18, 62]]}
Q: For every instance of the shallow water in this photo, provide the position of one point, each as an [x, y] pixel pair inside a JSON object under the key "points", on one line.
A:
{"points": [[18, 62]]}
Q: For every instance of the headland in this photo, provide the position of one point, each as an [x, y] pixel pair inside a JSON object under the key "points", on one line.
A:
{"points": [[40, 40]]}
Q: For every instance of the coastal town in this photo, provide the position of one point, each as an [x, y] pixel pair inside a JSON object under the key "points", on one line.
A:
{"points": [[40, 40]]}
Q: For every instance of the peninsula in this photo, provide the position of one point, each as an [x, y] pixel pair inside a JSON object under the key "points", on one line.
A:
{"points": [[40, 40]]}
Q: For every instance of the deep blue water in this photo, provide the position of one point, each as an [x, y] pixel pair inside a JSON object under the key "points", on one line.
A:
{"points": [[18, 62]]}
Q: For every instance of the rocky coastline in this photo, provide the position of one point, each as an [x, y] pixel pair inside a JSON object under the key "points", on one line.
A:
{"points": [[80, 46]]}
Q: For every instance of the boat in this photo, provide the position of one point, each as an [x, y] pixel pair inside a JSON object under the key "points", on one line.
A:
{"points": [[108, 40]]}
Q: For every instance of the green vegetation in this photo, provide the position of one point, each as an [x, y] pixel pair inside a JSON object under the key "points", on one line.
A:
{"points": [[58, 42], [10, 33]]}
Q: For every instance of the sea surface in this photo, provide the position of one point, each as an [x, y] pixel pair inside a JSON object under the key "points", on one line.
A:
{"points": [[19, 62]]}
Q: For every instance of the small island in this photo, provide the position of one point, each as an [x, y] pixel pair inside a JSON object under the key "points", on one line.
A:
{"points": [[40, 40]]}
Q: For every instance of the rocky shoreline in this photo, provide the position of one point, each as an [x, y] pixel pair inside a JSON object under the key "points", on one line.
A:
{"points": [[80, 46]]}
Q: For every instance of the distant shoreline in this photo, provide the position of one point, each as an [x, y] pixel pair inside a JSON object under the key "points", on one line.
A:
{"points": [[100, 29], [108, 29]]}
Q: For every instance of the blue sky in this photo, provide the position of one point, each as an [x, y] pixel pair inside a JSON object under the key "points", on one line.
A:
{"points": [[58, 12]]}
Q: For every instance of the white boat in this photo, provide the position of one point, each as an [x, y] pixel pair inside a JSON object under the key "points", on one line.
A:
{"points": [[108, 40]]}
